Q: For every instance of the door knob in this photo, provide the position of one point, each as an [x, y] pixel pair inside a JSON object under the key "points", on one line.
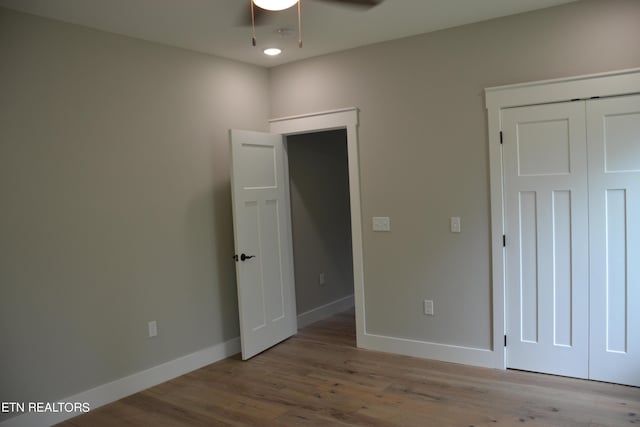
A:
{"points": [[245, 257]]}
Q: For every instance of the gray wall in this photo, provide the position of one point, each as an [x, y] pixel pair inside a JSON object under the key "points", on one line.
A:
{"points": [[321, 218], [424, 150], [115, 204]]}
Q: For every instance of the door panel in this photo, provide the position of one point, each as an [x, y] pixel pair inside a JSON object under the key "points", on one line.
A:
{"points": [[262, 228], [546, 219], [562, 306], [614, 193], [527, 217]]}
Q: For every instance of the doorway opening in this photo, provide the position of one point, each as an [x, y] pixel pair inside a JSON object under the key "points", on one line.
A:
{"points": [[345, 119], [321, 227]]}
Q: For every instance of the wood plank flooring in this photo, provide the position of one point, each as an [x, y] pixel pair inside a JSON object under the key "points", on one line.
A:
{"points": [[319, 378]]}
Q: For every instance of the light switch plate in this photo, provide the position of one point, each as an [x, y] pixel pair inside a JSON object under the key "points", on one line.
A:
{"points": [[428, 307], [153, 328], [455, 224], [381, 223]]}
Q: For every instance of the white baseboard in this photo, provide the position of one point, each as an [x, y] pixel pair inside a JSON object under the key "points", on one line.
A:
{"points": [[325, 311], [429, 350], [131, 384]]}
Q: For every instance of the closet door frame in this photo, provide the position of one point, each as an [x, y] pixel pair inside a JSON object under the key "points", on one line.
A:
{"points": [[617, 83]]}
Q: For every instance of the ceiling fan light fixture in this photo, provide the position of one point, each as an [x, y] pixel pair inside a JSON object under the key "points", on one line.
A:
{"points": [[272, 51], [275, 4]]}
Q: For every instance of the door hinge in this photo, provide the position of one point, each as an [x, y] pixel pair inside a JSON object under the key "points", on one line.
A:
{"points": [[505, 340], [501, 140], [504, 240]]}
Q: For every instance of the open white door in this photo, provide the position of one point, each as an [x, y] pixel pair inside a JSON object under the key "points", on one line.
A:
{"points": [[262, 230]]}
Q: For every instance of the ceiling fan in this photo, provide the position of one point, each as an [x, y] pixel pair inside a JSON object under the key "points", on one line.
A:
{"points": [[260, 10]]}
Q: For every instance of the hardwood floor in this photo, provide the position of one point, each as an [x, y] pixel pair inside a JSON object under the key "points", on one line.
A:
{"points": [[319, 378]]}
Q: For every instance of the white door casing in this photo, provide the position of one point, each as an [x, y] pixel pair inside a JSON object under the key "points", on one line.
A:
{"points": [[613, 132], [262, 230], [546, 219]]}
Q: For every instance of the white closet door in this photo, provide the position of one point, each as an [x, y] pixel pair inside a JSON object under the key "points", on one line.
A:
{"points": [[614, 193], [545, 183]]}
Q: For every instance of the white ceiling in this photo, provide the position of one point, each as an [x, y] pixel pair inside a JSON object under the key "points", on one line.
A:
{"points": [[212, 26]]}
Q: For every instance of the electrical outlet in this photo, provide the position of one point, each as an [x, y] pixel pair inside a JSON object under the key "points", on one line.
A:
{"points": [[428, 307], [321, 280], [153, 328]]}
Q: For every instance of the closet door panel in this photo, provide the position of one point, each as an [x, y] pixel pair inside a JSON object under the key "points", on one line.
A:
{"points": [[545, 181], [613, 136]]}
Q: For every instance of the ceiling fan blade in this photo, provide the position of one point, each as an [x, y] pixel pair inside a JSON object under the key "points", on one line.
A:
{"points": [[361, 4], [261, 16]]}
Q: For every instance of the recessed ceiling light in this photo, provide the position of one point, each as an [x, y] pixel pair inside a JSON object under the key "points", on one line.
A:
{"points": [[272, 51], [275, 4]]}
